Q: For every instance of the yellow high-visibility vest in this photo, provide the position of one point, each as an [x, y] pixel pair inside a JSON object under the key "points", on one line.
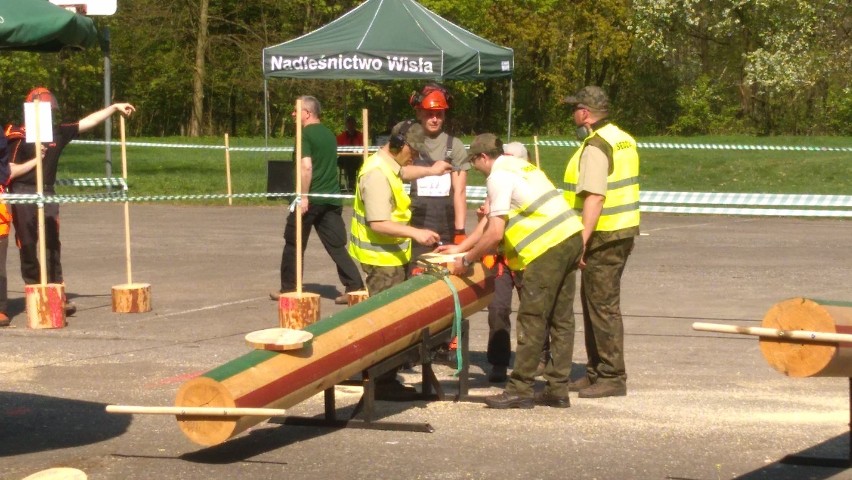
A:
{"points": [[368, 246], [541, 223], [621, 206]]}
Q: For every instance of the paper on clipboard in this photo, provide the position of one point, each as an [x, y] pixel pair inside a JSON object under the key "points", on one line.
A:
{"points": [[45, 122]]}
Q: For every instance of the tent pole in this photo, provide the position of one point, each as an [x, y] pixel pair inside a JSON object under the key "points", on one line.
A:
{"points": [[511, 104], [266, 111]]}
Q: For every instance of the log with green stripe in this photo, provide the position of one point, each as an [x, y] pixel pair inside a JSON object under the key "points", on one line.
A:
{"points": [[344, 344]]}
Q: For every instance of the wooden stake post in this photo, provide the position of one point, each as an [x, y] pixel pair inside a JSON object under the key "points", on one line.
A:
{"points": [[45, 301], [228, 169], [296, 309], [129, 297], [535, 145]]}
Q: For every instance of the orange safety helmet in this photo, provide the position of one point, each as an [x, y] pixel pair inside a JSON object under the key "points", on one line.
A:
{"points": [[432, 97], [43, 95]]}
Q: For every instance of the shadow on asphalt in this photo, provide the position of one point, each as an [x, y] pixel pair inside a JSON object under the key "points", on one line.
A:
{"points": [[35, 423], [268, 438], [808, 462]]}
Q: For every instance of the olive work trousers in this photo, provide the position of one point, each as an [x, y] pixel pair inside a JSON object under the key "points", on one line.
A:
{"points": [[547, 299], [600, 294], [380, 279]]}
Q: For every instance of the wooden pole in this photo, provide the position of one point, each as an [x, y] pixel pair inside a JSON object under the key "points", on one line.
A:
{"points": [[298, 211], [42, 245], [344, 344], [130, 297], [797, 335], [197, 411], [228, 169], [801, 337], [45, 302], [365, 118], [535, 145], [126, 203]]}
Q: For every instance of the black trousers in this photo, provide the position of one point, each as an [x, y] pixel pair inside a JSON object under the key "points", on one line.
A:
{"points": [[25, 219], [328, 222]]}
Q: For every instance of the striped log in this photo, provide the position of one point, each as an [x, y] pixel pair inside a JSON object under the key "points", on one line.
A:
{"points": [[344, 344], [801, 358]]}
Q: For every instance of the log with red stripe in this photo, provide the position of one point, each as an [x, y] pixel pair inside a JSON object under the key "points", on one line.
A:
{"points": [[344, 344]]}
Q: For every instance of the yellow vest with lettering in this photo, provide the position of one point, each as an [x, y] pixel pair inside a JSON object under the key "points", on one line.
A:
{"points": [[541, 223], [621, 206], [368, 246]]}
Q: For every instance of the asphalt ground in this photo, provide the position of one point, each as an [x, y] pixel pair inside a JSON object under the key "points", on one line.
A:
{"points": [[699, 406]]}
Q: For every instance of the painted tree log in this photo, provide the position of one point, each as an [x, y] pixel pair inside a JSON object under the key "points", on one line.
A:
{"points": [[298, 310], [356, 297], [45, 305], [801, 358], [344, 344]]}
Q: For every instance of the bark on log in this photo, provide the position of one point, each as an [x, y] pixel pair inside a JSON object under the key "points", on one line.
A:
{"points": [[131, 298], [298, 311]]}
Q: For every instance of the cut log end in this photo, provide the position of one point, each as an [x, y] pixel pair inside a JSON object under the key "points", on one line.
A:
{"points": [[205, 392], [800, 359]]}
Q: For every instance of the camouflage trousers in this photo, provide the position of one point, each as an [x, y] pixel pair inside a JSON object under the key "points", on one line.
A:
{"points": [[600, 294], [547, 300], [380, 279]]}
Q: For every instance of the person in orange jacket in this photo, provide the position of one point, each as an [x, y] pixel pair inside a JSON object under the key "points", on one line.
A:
{"points": [[8, 171]]}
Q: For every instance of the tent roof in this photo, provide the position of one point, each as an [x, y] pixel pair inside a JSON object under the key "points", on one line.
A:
{"points": [[38, 25], [389, 40]]}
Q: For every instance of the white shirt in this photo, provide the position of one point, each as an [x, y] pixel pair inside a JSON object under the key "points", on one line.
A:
{"points": [[506, 191]]}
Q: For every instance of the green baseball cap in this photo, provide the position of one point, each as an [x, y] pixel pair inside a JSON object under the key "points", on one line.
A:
{"points": [[590, 96]]}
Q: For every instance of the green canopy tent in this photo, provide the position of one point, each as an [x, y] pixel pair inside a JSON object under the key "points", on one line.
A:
{"points": [[389, 40], [40, 26]]}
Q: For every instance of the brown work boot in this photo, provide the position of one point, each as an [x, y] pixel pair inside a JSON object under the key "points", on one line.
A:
{"points": [[509, 400], [5, 321], [604, 389], [551, 400], [579, 384], [342, 300]]}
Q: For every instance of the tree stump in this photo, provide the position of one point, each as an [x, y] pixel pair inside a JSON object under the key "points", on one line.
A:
{"points": [[297, 311], [45, 305], [131, 298], [357, 297]]}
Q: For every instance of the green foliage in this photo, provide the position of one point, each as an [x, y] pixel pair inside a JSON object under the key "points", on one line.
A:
{"points": [[679, 66]]}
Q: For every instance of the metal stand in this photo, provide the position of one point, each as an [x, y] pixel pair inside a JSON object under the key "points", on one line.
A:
{"points": [[822, 461], [363, 415]]}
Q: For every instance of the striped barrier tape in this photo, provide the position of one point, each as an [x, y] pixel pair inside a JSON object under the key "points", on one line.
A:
{"points": [[541, 143], [671, 202]]}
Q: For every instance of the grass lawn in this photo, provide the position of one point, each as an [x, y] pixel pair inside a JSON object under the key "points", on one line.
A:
{"points": [[174, 171]]}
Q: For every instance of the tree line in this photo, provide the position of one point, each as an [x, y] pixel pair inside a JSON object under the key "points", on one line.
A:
{"points": [[682, 67]]}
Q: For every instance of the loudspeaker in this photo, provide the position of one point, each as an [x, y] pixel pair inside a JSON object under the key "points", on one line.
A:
{"points": [[280, 178]]}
